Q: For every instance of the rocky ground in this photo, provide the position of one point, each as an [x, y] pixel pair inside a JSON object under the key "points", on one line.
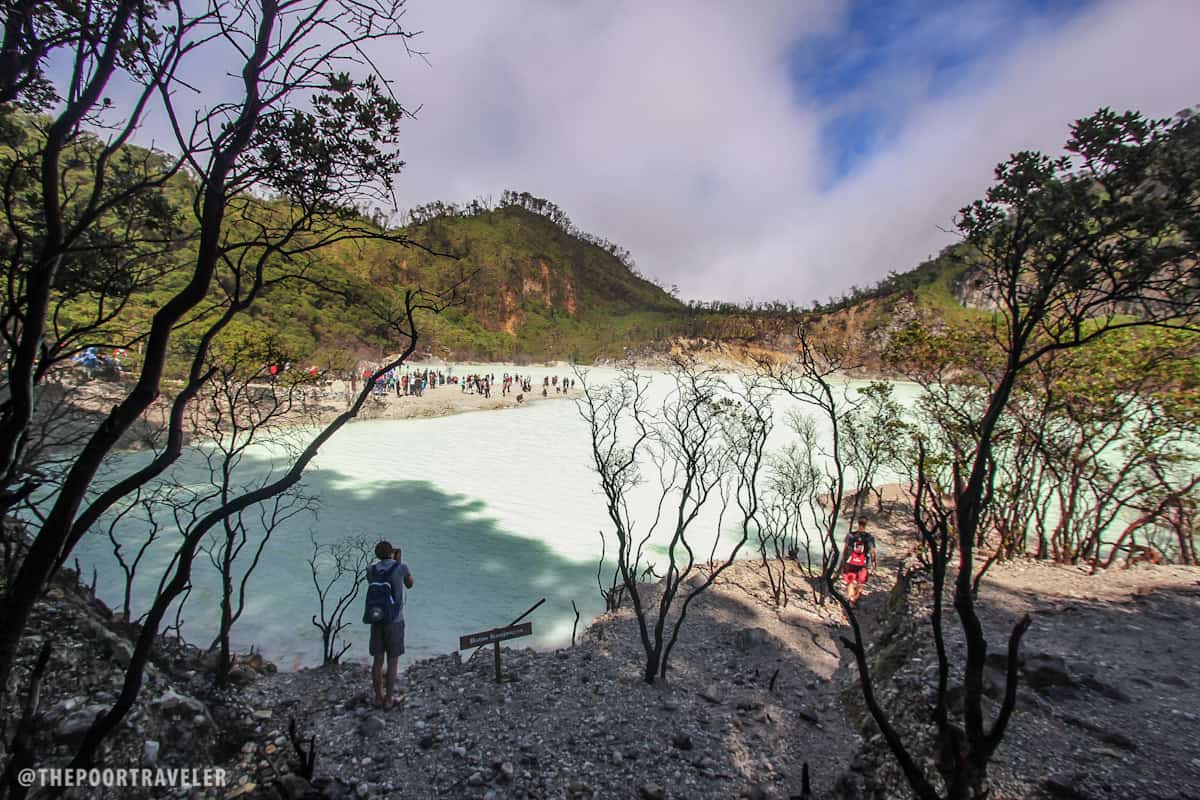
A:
{"points": [[754, 693], [1106, 669], [749, 700]]}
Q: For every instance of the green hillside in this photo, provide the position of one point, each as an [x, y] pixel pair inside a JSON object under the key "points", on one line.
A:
{"points": [[532, 290]]}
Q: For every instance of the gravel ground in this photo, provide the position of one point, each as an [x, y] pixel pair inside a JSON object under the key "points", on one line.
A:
{"points": [[1103, 703], [754, 693], [748, 701]]}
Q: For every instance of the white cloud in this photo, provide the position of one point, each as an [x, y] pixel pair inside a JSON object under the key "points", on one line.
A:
{"points": [[673, 128], [887, 216]]}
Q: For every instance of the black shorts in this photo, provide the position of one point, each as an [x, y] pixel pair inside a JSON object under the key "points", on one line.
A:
{"points": [[387, 638]]}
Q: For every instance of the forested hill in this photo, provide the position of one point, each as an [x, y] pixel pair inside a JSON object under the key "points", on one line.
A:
{"points": [[536, 287], [938, 294]]}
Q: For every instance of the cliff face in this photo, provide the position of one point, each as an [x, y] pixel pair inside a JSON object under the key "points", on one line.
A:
{"points": [[973, 290]]}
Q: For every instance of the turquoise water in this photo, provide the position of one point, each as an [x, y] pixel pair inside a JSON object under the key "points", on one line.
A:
{"points": [[494, 510]]}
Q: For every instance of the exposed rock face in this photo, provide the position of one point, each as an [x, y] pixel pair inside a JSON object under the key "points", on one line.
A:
{"points": [[974, 290]]}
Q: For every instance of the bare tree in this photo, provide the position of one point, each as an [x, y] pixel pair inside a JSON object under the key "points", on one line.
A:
{"points": [[793, 519], [149, 525], [707, 432], [176, 580], [810, 378], [241, 410], [874, 431], [337, 590], [97, 226], [258, 186]]}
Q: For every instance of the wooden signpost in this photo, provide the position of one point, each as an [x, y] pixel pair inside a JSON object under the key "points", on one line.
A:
{"points": [[497, 635], [494, 637]]}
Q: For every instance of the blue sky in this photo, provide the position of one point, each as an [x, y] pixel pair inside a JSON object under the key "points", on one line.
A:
{"points": [[949, 44]]}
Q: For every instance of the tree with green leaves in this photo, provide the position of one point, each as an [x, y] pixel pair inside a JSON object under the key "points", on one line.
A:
{"points": [[160, 252], [1073, 249]]}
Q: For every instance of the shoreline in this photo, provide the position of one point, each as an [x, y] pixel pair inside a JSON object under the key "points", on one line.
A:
{"points": [[88, 400], [93, 397], [444, 401]]}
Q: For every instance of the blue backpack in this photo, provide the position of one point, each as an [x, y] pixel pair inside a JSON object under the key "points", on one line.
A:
{"points": [[381, 599]]}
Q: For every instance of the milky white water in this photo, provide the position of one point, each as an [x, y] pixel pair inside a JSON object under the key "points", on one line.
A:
{"points": [[493, 509]]}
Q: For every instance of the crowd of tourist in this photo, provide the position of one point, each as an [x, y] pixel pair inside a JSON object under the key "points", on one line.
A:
{"points": [[415, 382], [403, 382]]}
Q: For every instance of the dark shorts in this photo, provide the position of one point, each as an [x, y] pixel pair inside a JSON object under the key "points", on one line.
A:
{"points": [[855, 575], [387, 638]]}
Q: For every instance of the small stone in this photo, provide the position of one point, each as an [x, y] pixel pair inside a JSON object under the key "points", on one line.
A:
{"points": [[682, 740], [72, 729], [651, 791], [171, 702], [426, 741], [150, 753], [1066, 787], [1044, 672], [476, 779], [749, 638], [459, 751], [294, 787], [372, 726], [507, 770], [241, 675], [712, 693], [263, 714], [363, 791]]}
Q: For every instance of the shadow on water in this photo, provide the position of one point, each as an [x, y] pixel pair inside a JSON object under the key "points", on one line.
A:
{"points": [[470, 574]]}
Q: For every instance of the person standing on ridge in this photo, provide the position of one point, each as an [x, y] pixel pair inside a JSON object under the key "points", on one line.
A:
{"points": [[857, 553], [386, 581]]}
